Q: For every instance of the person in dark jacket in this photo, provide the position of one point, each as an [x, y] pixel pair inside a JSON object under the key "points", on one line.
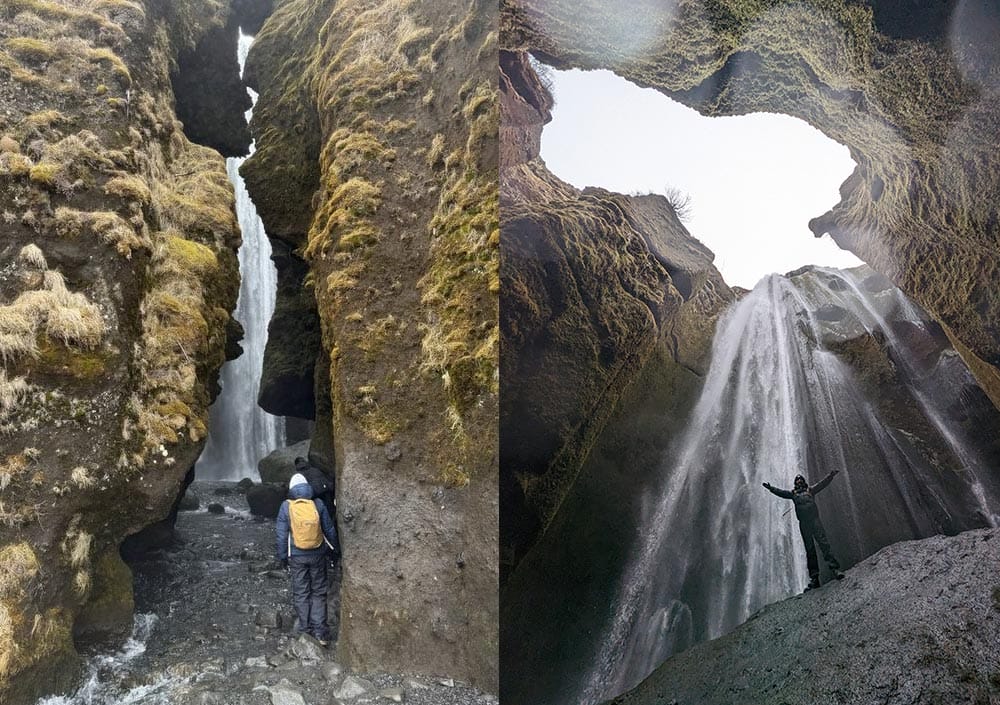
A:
{"points": [[320, 482], [308, 567], [323, 490], [810, 525]]}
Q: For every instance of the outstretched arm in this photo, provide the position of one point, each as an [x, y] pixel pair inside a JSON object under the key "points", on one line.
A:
{"points": [[821, 485], [785, 494]]}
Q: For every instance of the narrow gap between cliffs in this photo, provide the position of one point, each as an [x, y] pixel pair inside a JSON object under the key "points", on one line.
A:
{"points": [[206, 586]]}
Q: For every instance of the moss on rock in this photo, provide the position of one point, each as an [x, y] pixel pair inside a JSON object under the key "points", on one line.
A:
{"points": [[106, 618], [114, 227]]}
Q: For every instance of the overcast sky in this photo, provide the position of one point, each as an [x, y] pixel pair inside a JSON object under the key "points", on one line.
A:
{"points": [[754, 181]]}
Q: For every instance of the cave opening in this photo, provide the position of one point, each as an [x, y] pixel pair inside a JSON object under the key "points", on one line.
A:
{"points": [[666, 538], [744, 186]]}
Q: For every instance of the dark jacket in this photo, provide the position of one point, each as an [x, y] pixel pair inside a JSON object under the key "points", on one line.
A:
{"points": [[284, 545], [805, 502]]}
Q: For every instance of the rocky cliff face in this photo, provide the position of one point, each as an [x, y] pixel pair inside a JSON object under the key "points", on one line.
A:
{"points": [[912, 92], [597, 286], [608, 311], [119, 272], [377, 161], [917, 622]]}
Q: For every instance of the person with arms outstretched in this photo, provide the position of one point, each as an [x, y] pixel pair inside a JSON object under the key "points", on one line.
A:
{"points": [[810, 525]]}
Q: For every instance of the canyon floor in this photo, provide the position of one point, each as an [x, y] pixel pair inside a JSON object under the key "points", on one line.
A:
{"points": [[214, 627]]}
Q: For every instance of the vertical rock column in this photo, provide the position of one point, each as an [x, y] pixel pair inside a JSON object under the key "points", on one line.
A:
{"points": [[376, 132]]}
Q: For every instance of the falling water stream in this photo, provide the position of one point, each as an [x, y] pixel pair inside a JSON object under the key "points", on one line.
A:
{"points": [[240, 432], [714, 547]]}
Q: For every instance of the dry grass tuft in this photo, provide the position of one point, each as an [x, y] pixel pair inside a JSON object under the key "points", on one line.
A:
{"points": [[81, 477], [129, 188], [12, 393], [20, 566], [81, 583], [61, 314], [77, 544], [107, 226], [32, 256]]}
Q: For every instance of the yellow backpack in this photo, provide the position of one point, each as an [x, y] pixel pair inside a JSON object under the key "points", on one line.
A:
{"points": [[306, 530]]}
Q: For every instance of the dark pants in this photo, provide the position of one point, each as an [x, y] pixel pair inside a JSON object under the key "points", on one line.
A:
{"points": [[813, 531], [309, 584]]}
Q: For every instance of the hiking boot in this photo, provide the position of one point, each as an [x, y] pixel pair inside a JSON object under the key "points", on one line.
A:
{"points": [[838, 575], [324, 642]]}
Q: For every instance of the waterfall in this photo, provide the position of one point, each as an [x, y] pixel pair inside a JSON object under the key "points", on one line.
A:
{"points": [[240, 432], [781, 398]]}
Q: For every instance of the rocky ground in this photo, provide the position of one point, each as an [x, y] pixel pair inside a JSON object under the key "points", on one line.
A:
{"points": [[215, 628], [918, 622]]}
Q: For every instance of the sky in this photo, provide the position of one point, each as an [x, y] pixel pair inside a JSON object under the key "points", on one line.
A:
{"points": [[754, 181]]}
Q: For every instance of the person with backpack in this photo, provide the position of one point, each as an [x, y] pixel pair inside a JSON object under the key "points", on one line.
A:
{"points": [[304, 531], [810, 525], [322, 487]]}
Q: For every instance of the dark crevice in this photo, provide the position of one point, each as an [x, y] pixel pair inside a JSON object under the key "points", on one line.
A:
{"points": [[210, 96], [293, 341], [913, 19]]}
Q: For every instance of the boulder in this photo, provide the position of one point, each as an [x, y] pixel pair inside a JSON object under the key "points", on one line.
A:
{"points": [[279, 465], [284, 693], [353, 687], [189, 502], [307, 648], [265, 499]]}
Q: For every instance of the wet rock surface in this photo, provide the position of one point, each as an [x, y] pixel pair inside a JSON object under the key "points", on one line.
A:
{"points": [[918, 622], [223, 630]]}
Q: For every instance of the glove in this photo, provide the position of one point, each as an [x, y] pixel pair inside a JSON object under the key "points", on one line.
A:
{"points": [[767, 485]]}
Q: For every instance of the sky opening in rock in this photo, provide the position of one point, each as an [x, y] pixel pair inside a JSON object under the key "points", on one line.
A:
{"points": [[754, 181]]}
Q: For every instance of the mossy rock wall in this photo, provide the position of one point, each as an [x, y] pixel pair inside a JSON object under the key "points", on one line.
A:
{"points": [[910, 88], [377, 152], [118, 247]]}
